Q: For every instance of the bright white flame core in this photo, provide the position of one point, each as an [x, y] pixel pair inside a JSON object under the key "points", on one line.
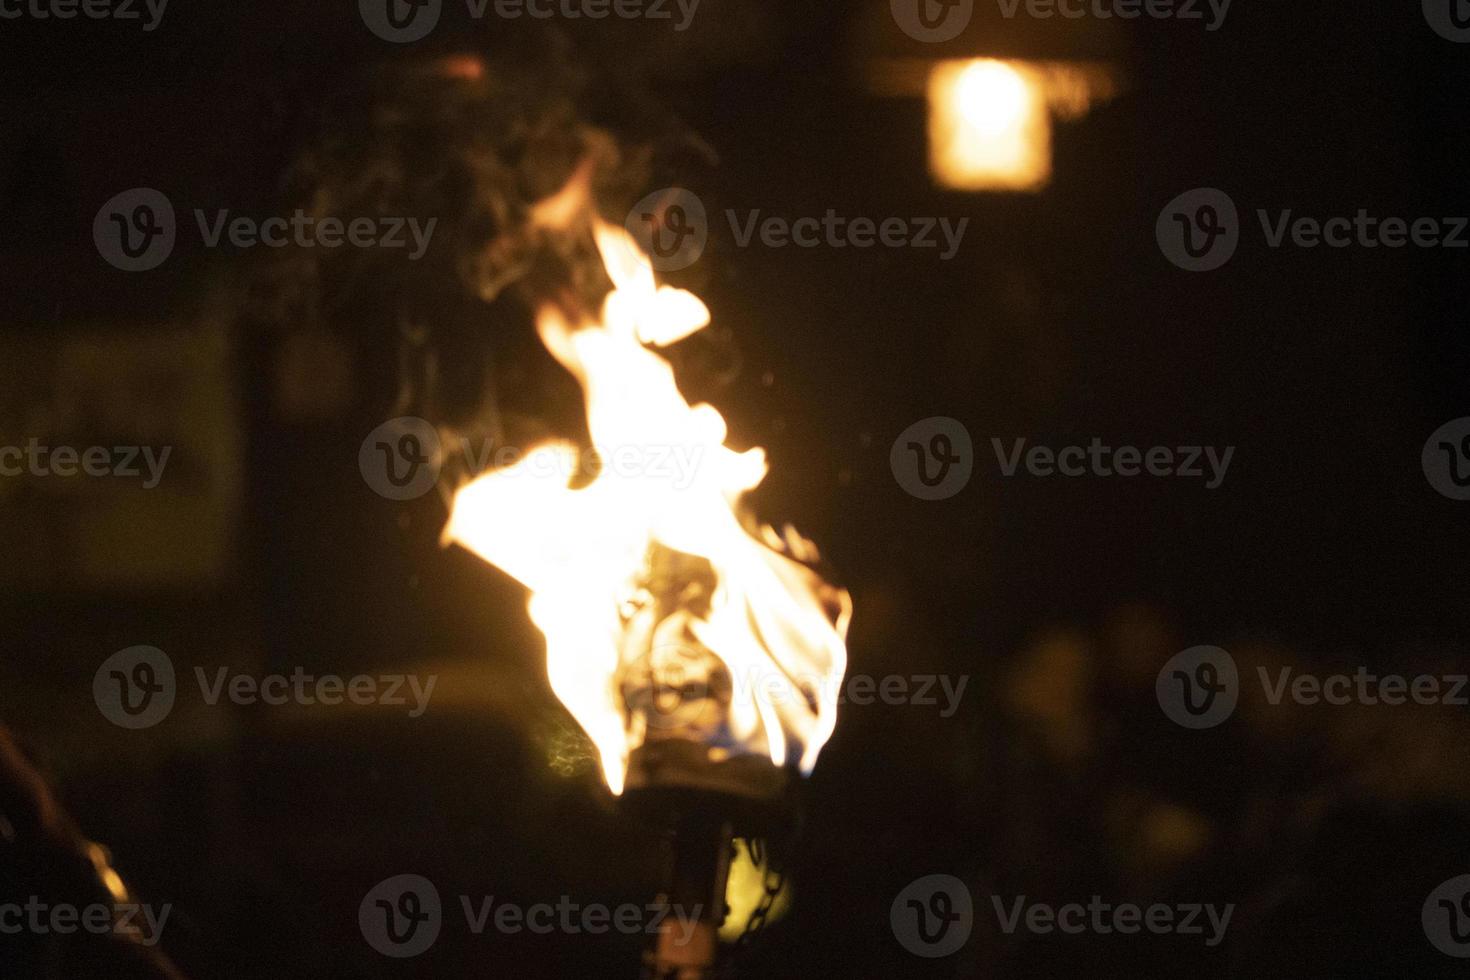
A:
{"points": [[989, 127], [776, 625]]}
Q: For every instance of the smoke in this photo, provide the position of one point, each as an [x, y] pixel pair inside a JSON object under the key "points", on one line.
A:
{"points": [[472, 137]]}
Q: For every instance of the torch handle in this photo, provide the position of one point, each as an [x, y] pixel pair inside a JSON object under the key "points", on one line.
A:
{"points": [[698, 862]]}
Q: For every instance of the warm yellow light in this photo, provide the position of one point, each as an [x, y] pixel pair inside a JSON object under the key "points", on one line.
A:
{"points": [[670, 483], [745, 890], [989, 126], [992, 97]]}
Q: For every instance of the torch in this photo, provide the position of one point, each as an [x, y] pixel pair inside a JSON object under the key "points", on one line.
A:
{"points": [[699, 650], [679, 779]]}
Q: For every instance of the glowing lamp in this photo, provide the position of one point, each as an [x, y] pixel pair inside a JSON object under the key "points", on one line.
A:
{"points": [[995, 90]]}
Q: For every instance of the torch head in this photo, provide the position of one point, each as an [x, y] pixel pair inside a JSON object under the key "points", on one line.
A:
{"points": [[677, 694]]}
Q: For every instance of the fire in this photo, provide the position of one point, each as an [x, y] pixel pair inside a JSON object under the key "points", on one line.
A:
{"points": [[664, 507]]}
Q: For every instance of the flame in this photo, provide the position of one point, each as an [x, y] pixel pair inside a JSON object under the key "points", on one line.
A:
{"points": [[668, 483]]}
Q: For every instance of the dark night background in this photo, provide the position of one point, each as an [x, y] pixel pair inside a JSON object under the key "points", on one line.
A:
{"points": [[1058, 320]]}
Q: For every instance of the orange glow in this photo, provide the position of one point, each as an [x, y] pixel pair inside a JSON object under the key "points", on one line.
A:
{"points": [[584, 553], [988, 127], [990, 121]]}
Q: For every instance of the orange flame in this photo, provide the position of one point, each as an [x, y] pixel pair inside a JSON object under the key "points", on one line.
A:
{"points": [[668, 481]]}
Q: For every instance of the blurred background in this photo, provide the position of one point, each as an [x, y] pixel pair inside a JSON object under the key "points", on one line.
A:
{"points": [[1058, 319]]}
